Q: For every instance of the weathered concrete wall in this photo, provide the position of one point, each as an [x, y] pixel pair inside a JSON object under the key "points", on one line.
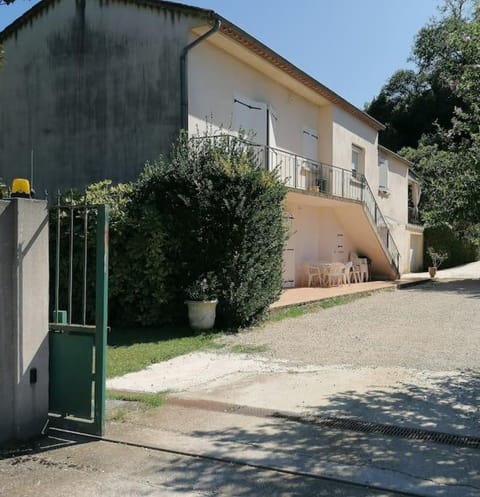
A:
{"points": [[23, 318], [7, 339], [93, 88]]}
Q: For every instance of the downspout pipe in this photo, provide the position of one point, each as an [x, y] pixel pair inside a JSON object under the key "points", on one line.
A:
{"points": [[184, 73]]}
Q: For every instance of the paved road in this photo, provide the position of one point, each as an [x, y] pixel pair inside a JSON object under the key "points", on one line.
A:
{"points": [[405, 358]]}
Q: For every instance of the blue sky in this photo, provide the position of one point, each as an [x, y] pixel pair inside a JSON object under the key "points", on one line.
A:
{"points": [[351, 46]]}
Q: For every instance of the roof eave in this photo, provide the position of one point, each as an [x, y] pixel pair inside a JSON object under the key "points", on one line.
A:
{"points": [[397, 156], [240, 36]]}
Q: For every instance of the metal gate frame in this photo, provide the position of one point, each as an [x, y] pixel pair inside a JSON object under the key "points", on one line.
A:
{"points": [[78, 351]]}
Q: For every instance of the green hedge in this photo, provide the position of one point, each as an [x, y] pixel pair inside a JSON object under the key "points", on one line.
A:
{"points": [[209, 210]]}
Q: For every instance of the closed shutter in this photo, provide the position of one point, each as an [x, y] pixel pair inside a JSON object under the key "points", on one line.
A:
{"points": [[383, 175], [310, 144], [250, 117]]}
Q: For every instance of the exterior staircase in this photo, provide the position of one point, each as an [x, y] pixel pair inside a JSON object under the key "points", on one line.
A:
{"points": [[316, 178]]}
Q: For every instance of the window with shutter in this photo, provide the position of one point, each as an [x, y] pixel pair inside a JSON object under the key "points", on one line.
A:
{"points": [[383, 175], [250, 117], [357, 161]]}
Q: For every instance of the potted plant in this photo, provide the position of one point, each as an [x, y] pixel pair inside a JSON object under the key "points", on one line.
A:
{"points": [[437, 258], [202, 302]]}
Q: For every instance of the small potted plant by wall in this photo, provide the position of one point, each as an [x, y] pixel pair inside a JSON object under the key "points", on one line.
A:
{"points": [[437, 258], [202, 303]]}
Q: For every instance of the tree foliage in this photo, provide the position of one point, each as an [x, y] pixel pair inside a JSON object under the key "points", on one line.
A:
{"points": [[413, 103], [441, 100], [410, 106]]}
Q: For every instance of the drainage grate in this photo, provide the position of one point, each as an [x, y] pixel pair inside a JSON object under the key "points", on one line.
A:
{"points": [[332, 422], [384, 429]]}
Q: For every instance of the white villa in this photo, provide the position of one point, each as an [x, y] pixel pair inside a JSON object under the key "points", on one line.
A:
{"points": [[106, 86]]}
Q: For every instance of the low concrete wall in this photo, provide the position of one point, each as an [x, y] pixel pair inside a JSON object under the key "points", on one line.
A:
{"points": [[23, 318]]}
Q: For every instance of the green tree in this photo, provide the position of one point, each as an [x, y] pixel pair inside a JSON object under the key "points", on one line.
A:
{"points": [[414, 103], [434, 114], [410, 106], [448, 160]]}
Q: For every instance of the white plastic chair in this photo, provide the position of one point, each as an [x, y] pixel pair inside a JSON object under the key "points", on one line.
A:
{"points": [[360, 267], [336, 274], [351, 272], [312, 273]]}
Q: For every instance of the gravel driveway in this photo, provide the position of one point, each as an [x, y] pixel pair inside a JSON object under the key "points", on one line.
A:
{"points": [[433, 326]]}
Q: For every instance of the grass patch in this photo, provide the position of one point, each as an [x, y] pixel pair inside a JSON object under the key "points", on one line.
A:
{"points": [[134, 349], [147, 399], [119, 415], [299, 310], [248, 348]]}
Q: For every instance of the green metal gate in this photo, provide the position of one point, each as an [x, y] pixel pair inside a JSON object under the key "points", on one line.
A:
{"points": [[78, 332]]}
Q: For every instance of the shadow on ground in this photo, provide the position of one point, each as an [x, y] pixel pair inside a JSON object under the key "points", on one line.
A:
{"points": [[448, 404], [467, 287], [53, 441], [449, 470], [271, 442]]}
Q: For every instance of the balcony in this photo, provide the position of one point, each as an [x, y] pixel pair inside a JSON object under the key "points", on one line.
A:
{"points": [[317, 178]]}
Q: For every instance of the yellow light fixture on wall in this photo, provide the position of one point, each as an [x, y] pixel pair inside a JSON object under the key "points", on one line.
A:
{"points": [[21, 188]]}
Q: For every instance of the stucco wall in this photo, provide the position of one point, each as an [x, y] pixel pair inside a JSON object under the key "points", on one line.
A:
{"points": [[394, 206], [216, 77], [23, 318], [316, 233], [348, 131], [93, 88]]}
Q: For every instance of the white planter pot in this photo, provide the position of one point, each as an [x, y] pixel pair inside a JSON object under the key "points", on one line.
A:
{"points": [[201, 314]]}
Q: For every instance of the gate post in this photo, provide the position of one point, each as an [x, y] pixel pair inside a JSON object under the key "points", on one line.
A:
{"points": [[101, 311], [23, 318]]}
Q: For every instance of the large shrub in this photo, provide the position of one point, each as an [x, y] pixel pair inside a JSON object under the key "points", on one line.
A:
{"points": [[220, 213]]}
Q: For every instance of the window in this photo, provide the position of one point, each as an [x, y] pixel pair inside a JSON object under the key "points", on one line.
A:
{"points": [[383, 175], [357, 160]]}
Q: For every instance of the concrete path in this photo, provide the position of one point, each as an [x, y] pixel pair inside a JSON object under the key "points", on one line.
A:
{"points": [[295, 296], [467, 271], [445, 401], [305, 295], [393, 464], [64, 465]]}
